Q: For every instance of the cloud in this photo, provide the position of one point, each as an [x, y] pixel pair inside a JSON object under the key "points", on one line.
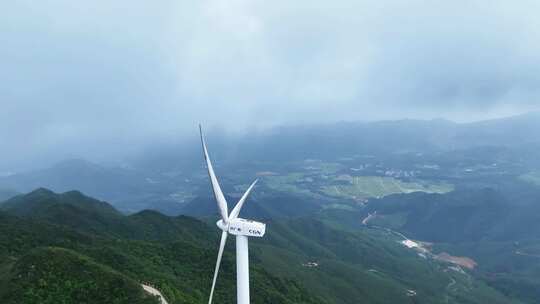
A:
{"points": [[98, 78]]}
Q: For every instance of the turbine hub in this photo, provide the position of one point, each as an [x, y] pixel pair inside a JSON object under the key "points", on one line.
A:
{"points": [[222, 225]]}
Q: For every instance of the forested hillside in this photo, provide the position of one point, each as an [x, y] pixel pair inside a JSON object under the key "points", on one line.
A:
{"points": [[301, 260], [176, 255]]}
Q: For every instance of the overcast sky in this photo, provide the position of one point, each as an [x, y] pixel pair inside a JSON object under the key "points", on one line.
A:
{"points": [[100, 78]]}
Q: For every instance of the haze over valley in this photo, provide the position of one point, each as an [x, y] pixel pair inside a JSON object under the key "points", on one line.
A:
{"points": [[458, 199]]}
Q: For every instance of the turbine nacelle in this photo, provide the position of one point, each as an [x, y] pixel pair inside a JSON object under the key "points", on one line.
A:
{"points": [[240, 226]]}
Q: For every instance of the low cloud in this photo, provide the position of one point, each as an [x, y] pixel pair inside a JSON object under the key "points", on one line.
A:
{"points": [[100, 79]]}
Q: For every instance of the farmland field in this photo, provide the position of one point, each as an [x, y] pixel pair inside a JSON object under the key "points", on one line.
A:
{"points": [[345, 186]]}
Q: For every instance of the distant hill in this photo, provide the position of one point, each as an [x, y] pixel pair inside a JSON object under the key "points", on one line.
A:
{"points": [[6, 194], [128, 189], [37, 203], [72, 209], [344, 139], [462, 216], [509, 131], [270, 206], [74, 174], [349, 138]]}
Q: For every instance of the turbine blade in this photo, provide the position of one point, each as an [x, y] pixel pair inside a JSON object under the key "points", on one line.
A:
{"points": [[218, 262], [238, 207], [220, 198]]}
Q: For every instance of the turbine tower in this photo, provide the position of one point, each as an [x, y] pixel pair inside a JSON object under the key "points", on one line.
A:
{"points": [[230, 223]]}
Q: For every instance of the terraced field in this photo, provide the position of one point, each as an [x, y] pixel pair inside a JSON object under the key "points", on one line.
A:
{"points": [[287, 183], [350, 187], [531, 177], [362, 187]]}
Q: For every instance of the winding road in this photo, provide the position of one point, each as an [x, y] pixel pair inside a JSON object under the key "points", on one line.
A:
{"points": [[151, 290]]}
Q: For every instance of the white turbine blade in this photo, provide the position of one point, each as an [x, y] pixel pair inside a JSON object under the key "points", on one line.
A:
{"points": [[238, 207], [218, 262], [222, 203]]}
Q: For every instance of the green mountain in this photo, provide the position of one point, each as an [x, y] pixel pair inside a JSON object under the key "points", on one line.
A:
{"points": [[462, 216], [368, 264], [497, 228], [50, 275], [37, 203], [71, 209], [176, 255], [301, 260]]}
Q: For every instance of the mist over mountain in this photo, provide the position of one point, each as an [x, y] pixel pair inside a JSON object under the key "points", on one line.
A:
{"points": [[381, 151], [158, 178], [344, 139]]}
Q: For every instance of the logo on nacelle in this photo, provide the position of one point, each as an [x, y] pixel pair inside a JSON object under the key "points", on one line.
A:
{"points": [[257, 232]]}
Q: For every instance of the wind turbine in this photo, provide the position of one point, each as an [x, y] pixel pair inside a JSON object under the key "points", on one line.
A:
{"points": [[241, 228]]}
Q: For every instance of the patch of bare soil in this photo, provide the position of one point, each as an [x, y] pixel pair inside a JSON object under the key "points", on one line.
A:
{"points": [[266, 173], [461, 261]]}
